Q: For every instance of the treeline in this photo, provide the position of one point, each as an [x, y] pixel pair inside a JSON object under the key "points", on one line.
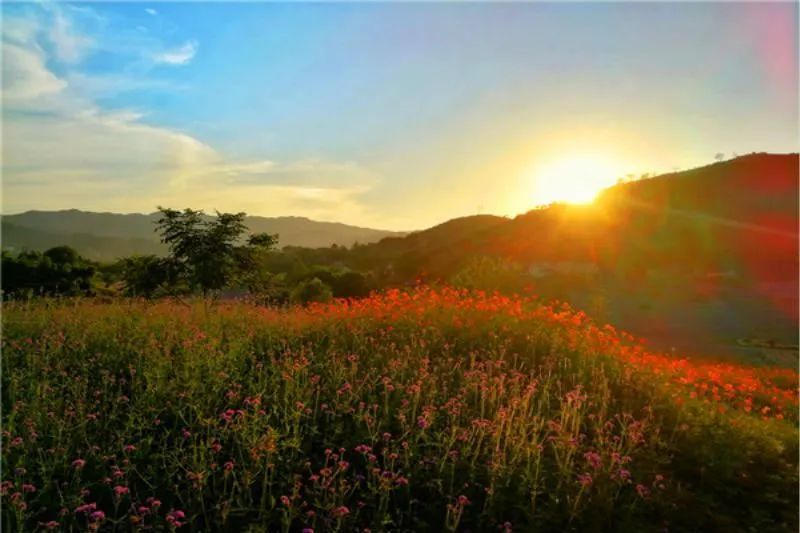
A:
{"points": [[209, 257], [58, 271], [214, 258]]}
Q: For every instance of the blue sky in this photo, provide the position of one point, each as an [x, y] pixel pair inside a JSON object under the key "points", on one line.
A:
{"points": [[388, 115]]}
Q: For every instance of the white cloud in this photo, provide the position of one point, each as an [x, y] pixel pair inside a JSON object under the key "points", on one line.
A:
{"points": [[151, 11], [181, 55], [65, 150], [25, 76]]}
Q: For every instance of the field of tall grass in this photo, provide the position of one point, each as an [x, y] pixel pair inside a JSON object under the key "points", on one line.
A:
{"points": [[424, 410]]}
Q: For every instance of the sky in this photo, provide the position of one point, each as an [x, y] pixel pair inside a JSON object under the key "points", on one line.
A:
{"points": [[395, 116]]}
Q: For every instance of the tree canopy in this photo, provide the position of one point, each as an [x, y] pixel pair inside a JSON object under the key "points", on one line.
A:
{"points": [[210, 253]]}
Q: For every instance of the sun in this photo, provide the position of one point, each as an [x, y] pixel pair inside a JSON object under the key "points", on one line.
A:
{"points": [[574, 179]]}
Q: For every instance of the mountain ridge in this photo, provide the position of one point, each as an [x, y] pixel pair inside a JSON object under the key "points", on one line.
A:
{"points": [[107, 236]]}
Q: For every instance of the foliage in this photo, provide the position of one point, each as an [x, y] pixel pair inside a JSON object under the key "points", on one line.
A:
{"points": [[492, 274], [311, 290], [427, 410], [150, 276], [209, 253], [57, 271]]}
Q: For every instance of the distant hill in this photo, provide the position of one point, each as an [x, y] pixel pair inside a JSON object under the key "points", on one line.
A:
{"points": [[739, 215], [107, 236]]}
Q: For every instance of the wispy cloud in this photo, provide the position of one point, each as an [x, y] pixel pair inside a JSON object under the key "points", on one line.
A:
{"points": [[151, 11], [70, 46], [64, 148], [180, 55]]}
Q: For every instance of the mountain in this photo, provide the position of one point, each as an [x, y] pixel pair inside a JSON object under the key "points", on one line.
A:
{"points": [[107, 236], [739, 215]]}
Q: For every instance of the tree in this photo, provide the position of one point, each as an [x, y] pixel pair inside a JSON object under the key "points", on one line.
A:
{"points": [[58, 271], [210, 253], [149, 276], [312, 290]]}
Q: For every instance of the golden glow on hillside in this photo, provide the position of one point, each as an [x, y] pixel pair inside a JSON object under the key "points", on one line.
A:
{"points": [[575, 179]]}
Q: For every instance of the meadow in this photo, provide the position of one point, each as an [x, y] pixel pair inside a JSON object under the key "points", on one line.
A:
{"points": [[432, 409]]}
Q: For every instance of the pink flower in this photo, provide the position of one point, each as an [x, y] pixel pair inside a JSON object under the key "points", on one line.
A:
{"points": [[98, 516], [78, 463], [594, 459], [642, 490], [340, 512], [585, 480], [120, 491], [174, 518]]}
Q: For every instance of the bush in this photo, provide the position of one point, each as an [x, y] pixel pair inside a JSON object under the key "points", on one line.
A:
{"points": [[312, 290]]}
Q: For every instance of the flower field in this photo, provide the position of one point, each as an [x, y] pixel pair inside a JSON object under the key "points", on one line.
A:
{"points": [[424, 410]]}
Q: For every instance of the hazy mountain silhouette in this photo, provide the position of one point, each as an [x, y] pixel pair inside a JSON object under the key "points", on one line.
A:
{"points": [[107, 236]]}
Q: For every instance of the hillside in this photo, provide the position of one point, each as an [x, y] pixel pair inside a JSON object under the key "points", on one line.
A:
{"points": [[107, 236], [738, 215], [421, 410], [694, 260]]}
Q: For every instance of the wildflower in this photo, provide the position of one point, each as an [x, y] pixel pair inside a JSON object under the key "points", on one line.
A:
{"points": [[340, 512], [593, 458], [642, 490], [174, 518], [5, 486], [585, 479], [86, 508], [120, 491], [28, 488], [78, 464]]}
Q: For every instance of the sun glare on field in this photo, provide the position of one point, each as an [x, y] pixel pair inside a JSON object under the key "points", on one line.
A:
{"points": [[574, 179]]}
